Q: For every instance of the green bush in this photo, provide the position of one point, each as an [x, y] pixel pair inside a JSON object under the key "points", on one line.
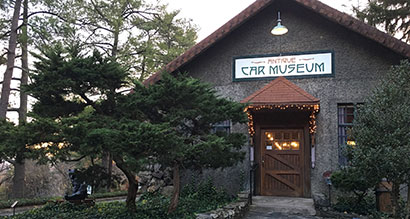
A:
{"points": [[107, 194], [205, 196], [194, 199], [349, 204], [42, 201], [350, 180], [67, 210]]}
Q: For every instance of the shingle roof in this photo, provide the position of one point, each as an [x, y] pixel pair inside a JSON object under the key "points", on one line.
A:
{"points": [[314, 5], [280, 91]]}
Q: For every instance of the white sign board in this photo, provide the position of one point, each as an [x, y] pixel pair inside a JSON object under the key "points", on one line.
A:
{"points": [[287, 65]]}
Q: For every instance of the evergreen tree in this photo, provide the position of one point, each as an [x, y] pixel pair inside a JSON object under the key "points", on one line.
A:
{"points": [[81, 112], [153, 38], [142, 37], [382, 130], [190, 107], [392, 15]]}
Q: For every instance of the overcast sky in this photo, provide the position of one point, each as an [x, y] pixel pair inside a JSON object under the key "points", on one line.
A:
{"points": [[209, 15]]}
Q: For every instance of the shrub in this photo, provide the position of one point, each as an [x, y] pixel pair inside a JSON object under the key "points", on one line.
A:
{"points": [[350, 180], [41, 201], [349, 204], [194, 198]]}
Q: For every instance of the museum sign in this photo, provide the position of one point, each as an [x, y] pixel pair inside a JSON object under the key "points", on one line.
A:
{"points": [[296, 65]]}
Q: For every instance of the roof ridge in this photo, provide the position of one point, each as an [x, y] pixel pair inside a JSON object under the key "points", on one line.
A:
{"points": [[318, 7], [357, 26], [258, 98], [300, 90], [261, 90]]}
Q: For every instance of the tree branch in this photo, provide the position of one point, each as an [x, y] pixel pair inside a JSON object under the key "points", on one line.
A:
{"points": [[99, 43], [127, 13], [75, 160], [127, 90], [97, 9], [10, 161], [47, 12], [17, 79], [87, 100]]}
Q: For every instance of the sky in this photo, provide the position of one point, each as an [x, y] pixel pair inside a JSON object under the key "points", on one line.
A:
{"points": [[209, 15]]}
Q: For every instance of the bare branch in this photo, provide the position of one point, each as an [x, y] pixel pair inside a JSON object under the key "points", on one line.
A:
{"points": [[97, 9], [89, 102], [5, 179], [99, 43], [13, 162], [140, 13], [47, 12], [127, 90], [18, 67], [99, 27], [74, 160], [17, 79]]}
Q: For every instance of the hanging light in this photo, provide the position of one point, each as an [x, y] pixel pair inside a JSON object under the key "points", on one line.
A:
{"points": [[279, 29]]}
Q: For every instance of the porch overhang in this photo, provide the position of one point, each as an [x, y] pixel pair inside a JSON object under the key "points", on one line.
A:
{"points": [[281, 94]]}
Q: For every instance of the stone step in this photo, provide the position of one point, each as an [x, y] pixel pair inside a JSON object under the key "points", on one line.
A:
{"points": [[285, 205]]}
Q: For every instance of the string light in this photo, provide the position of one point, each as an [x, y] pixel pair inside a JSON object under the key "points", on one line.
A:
{"points": [[302, 107]]}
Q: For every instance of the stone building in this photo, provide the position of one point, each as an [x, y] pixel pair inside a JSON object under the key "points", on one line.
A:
{"points": [[302, 87]]}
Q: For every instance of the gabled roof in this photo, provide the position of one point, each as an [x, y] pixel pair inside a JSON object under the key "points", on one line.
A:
{"points": [[280, 91], [314, 5]]}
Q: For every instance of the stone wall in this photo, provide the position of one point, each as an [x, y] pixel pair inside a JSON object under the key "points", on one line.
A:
{"points": [[156, 178], [359, 64], [234, 210]]}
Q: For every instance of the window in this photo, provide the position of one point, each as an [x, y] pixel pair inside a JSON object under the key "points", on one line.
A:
{"points": [[224, 126], [346, 114], [282, 140]]}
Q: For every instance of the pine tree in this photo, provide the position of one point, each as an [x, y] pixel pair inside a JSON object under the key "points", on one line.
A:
{"points": [[81, 111], [190, 107], [382, 130], [392, 15]]}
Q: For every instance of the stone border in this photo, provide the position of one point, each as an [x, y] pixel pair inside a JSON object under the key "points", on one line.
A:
{"points": [[233, 210]]}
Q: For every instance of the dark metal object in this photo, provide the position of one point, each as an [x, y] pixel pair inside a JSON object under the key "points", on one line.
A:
{"points": [[327, 177], [79, 188], [251, 181], [14, 207]]}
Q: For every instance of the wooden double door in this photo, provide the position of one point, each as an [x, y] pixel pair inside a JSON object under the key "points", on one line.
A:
{"points": [[282, 162]]}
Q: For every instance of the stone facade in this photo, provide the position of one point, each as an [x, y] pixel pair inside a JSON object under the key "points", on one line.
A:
{"points": [[359, 64], [155, 178]]}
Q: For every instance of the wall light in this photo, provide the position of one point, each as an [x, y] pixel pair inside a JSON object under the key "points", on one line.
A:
{"points": [[279, 29]]}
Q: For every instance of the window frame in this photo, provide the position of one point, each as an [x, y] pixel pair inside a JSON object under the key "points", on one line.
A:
{"points": [[225, 125], [342, 136]]}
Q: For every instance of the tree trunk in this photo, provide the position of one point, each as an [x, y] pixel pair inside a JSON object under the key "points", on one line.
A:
{"points": [[132, 182], [107, 157], [18, 179], [115, 45], [19, 166], [11, 55], [106, 161], [395, 198], [109, 182], [175, 196], [24, 64], [408, 201], [131, 194]]}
